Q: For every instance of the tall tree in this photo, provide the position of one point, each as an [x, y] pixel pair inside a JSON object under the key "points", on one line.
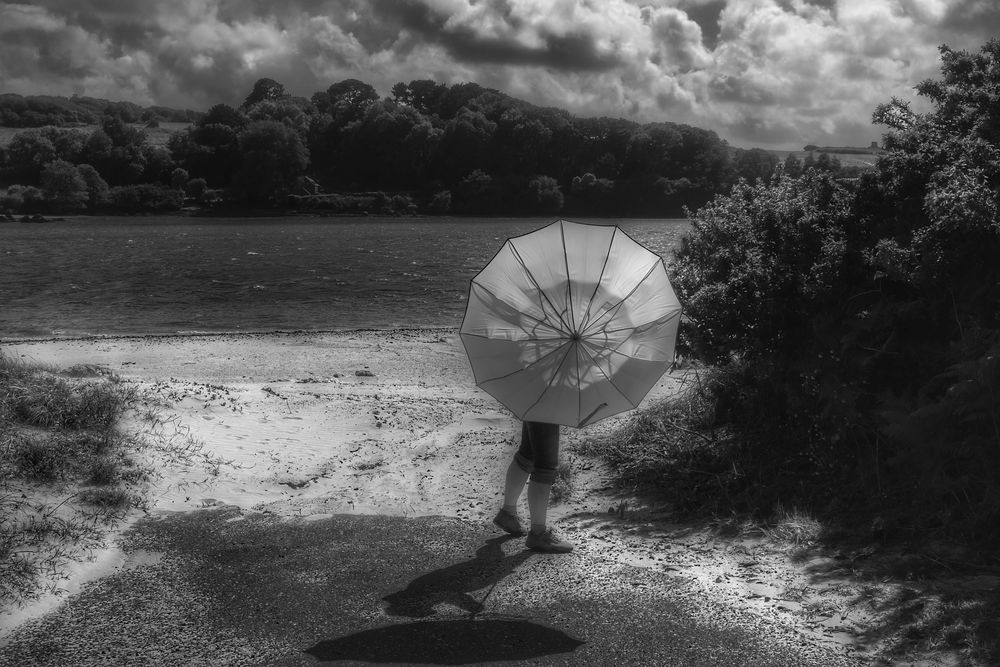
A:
{"points": [[264, 89], [273, 157]]}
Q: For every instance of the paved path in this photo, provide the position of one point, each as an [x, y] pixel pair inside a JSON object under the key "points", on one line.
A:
{"points": [[227, 587]]}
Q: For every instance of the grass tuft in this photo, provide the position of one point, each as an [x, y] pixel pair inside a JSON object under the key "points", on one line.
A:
{"points": [[59, 434]]}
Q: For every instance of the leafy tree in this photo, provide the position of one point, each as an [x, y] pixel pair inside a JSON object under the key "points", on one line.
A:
{"points": [[27, 154], [144, 198], [223, 114], [282, 110], [196, 187], [382, 148], [355, 94], [263, 89], [441, 202], [476, 192], [423, 95], [23, 199], [209, 151], [792, 166], [464, 144], [158, 164], [755, 163], [121, 133], [63, 186], [97, 187], [348, 100], [68, 143], [546, 193], [179, 178], [273, 158]]}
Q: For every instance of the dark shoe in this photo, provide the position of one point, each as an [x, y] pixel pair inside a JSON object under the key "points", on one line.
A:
{"points": [[508, 522], [548, 543]]}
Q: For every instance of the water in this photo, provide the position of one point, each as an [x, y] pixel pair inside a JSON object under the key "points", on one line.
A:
{"points": [[165, 275]]}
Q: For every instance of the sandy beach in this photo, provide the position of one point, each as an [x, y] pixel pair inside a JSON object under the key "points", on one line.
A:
{"points": [[311, 425]]}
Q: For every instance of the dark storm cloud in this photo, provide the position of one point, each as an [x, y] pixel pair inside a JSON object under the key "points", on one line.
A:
{"points": [[975, 17], [706, 15], [735, 66], [468, 43], [738, 89], [43, 50]]}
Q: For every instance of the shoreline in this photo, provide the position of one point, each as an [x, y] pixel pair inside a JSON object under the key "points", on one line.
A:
{"points": [[211, 334]]}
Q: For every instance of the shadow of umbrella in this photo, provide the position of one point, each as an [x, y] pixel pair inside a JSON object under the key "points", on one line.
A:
{"points": [[454, 583], [451, 642]]}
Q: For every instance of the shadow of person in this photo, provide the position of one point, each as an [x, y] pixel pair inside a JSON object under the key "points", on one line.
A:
{"points": [[453, 584], [448, 642]]}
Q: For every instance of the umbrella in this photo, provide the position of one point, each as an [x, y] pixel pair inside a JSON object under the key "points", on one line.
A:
{"points": [[571, 323]]}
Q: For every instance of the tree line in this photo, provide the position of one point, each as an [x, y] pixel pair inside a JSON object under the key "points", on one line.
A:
{"points": [[42, 110], [428, 146]]}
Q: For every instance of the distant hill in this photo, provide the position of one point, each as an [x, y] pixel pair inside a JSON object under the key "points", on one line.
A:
{"points": [[41, 110], [848, 156], [873, 149]]}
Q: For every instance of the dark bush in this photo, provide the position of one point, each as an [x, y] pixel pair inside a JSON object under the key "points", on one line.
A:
{"points": [[144, 198], [861, 329]]}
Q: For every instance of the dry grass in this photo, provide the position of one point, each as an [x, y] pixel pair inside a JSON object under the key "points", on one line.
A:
{"points": [[69, 470], [673, 447]]}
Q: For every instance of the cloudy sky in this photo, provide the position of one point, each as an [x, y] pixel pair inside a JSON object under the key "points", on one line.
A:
{"points": [[773, 73]]}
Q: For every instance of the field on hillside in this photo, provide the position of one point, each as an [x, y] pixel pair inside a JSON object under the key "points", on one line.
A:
{"points": [[156, 135], [864, 160]]}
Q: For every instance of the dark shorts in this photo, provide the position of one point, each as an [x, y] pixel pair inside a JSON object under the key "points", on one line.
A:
{"points": [[539, 451]]}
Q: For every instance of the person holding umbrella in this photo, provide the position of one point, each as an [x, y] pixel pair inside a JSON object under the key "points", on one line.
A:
{"points": [[536, 459], [566, 325]]}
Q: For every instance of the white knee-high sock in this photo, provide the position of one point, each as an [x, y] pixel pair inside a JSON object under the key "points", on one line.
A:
{"points": [[538, 504], [513, 484]]}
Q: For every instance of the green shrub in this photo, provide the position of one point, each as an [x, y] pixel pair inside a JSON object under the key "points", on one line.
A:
{"points": [[860, 331], [144, 198]]}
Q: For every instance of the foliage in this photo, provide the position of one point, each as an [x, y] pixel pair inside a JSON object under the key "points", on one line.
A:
{"points": [[425, 138], [861, 329], [64, 187], [264, 89], [97, 187], [42, 110], [179, 178], [273, 158], [546, 193], [23, 199], [144, 198]]}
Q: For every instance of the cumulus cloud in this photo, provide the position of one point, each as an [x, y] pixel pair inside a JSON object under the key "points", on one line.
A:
{"points": [[759, 72]]}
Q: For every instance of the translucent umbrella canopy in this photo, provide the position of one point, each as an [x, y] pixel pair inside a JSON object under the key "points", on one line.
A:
{"points": [[571, 323]]}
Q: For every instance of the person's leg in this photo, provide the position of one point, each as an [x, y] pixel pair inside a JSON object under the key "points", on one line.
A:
{"points": [[538, 505], [513, 485], [517, 474], [545, 449]]}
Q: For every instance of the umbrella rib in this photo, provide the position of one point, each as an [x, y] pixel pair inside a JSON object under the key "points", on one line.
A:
{"points": [[661, 320], [579, 381], [625, 298], [520, 312], [569, 283], [551, 379], [609, 379], [597, 285], [541, 292], [524, 368]]}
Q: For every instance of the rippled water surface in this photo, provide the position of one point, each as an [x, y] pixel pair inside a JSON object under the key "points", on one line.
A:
{"points": [[157, 275]]}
